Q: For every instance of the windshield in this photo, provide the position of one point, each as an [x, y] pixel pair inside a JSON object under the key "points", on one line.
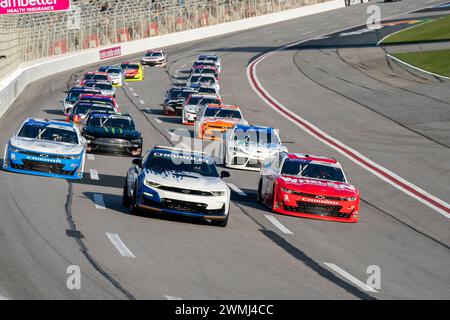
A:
{"points": [[75, 93], [124, 123], [88, 76], [154, 54], [210, 101], [114, 71], [132, 66], [85, 108], [302, 168], [179, 162], [100, 77], [256, 136], [206, 90], [207, 80], [48, 133], [223, 113], [103, 86], [195, 78]]}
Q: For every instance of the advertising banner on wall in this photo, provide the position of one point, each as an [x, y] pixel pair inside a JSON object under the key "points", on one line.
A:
{"points": [[110, 53], [33, 6]]}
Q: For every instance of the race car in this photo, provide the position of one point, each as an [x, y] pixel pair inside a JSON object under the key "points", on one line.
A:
{"points": [[178, 181], [73, 95], [105, 87], [133, 71], [212, 121], [81, 109], [208, 58], [47, 148], [247, 147], [196, 64], [94, 76], [115, 73], [196, 81], [202, 69], [193, 103], [308, 186], [154, 58], [111, 132], [174, 99]]}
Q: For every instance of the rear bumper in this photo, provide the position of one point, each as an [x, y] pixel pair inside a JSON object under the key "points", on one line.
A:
{"points": [[114, 146]]}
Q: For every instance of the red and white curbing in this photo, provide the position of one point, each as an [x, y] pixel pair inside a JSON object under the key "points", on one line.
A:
{"points": [[388, 176]]}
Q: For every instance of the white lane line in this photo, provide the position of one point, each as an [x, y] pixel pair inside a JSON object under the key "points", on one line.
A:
{"points": [[141, 101], [278, 224], [135, 94], [159, 121], [131, 89], [99, 201], [120, 246], [381, 172], [349, 277], [237, 190], [94, 174], [90, 156]]}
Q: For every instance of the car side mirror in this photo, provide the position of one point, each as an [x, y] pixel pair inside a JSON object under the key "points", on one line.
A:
{"points": [[224, 174], [137, 162]]}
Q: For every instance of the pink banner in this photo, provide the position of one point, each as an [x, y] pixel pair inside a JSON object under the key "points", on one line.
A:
{"points": [[33, 6], [110, 53]]}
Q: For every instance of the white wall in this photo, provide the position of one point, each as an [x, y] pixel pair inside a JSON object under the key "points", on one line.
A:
{"points": [[14, 84]]}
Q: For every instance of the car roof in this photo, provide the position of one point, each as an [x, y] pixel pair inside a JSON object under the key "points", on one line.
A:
{"points": [[180, 150]]}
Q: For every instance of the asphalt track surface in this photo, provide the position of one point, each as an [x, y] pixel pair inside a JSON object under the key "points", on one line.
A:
{"points": [[398, 119]]}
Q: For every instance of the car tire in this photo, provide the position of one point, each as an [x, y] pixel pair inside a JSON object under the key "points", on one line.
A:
{"points": [[221, 223], [133, 209], [126, 200], [259, 195]]}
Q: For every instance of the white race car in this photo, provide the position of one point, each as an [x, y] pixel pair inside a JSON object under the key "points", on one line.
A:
{"points": [[116, 75], [197, 81], [154, 58], [47, 148], [211, 58], [180, 182], [193, 104], [247, 147]]}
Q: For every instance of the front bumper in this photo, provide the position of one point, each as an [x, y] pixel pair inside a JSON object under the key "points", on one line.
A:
{"points": [[113, 145], [245, 161], [137, 77], [153, 63], [206, 207], [48, 167], [307, 207]]}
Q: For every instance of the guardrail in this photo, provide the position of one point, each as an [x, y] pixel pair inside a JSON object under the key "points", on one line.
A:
{"points": [[15, 82]]}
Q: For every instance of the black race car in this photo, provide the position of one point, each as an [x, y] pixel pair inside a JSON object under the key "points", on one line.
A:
{"points": [[111, 132], [174, 99]]}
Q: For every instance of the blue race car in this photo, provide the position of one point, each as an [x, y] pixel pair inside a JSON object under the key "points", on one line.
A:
{"points": [[47, 148]]}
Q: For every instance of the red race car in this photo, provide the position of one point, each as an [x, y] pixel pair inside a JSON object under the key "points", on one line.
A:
{"points": [[308, 186]]}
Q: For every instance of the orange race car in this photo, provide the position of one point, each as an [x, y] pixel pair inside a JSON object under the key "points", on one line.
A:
{"points": [[214, 120]]}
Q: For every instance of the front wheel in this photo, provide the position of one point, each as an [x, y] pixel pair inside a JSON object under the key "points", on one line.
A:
{"points": [[259, 194], [133, 208], [126, 200]]}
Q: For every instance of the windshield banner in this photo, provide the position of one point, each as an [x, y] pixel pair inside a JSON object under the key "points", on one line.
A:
{"points": [[33, 6]]}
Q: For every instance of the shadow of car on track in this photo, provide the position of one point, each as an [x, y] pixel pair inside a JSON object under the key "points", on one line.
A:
{"points": [[114, 202], [157, 111], [105, 180], [54, 112]]}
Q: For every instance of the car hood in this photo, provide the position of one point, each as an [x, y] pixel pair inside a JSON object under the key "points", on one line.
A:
{"points": [[51, 147], [317, 186], [117, 133], [186, 180]]}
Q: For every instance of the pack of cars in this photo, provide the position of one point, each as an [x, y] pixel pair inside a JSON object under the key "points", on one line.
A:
{"points": [[181, 181]]}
